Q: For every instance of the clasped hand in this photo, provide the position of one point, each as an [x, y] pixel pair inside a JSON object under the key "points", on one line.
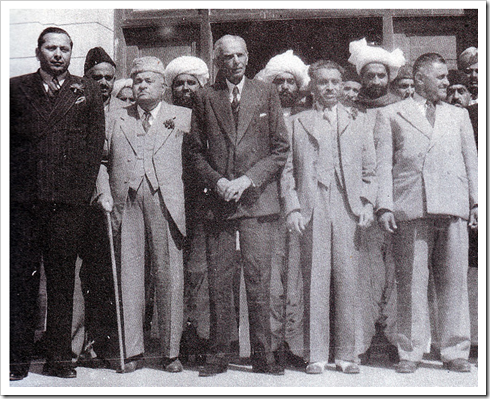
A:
{"points": [[232, 190]]}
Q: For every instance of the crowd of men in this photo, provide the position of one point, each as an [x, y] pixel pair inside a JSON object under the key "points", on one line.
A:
{"points": [[345, 196]]}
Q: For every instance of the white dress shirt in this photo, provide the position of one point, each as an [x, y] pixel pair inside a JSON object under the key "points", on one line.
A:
{"points": [[47, 77], [153, 113], [231, 87]]}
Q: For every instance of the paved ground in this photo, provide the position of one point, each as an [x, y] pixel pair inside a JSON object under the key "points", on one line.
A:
{"points": [[430, 374]]}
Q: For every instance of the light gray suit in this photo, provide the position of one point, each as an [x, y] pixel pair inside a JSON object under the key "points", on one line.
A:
{"points": [[143, 172], [428, 179]]}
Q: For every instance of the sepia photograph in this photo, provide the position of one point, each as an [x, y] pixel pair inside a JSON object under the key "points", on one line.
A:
{"points": [[276, 198]]}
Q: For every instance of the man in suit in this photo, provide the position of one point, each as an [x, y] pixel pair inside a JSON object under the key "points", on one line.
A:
{"points": [[329, 189], [427, 170], [57, 135], [238, 146], [140, 181]]}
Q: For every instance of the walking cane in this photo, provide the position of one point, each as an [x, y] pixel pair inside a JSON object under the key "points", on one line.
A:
{"points": [[116, 292]]}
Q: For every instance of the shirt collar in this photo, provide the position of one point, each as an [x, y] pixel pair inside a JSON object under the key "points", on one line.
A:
{"points": [[153, 112], [46, 77], [239, 85], [321, 108]]}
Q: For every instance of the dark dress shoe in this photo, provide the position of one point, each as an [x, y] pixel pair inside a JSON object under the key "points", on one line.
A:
{"points": [[458, 365], [17, 374], [406, 367], [132, 365], [271, 368], [172, 365], [59, 370], [210, 369], [295, 361]]}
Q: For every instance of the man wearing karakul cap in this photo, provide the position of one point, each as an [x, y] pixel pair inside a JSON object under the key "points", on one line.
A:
{"points": [[376, 67], [403, 85], [140, 181]]}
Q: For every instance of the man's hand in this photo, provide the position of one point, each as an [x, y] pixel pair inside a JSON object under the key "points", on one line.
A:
{"points": [[387, 222], [366, 217], [295, 222], [106, 202], [221, 186], [236, 188], [474, 218]]}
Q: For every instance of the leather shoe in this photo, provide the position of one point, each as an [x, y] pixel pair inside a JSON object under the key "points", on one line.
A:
{"points": [[132, 365], [17, 374], [406, 367], [271, 368], [349, 368], [315, 368], [210, 369], [458, 365], [59, 370], [172, 365]]}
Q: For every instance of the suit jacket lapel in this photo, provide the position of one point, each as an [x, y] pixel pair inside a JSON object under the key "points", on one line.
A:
{"points": [[222, 109], [131, 126], [442, 124], [34, 91], [248, 102], [65, 100], [158, 128], [311, 123], [343, 118], [412, 115]]}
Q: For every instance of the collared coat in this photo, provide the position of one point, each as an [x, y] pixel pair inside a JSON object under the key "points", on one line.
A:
{"points": [[424, 170], [357, 161]]}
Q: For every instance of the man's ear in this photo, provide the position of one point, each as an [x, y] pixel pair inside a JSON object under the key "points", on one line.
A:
{"points": [[37, 53]]}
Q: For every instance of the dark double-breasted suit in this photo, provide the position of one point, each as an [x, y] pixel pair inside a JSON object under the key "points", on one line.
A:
{"points": [[55, 152], [257, 146]]}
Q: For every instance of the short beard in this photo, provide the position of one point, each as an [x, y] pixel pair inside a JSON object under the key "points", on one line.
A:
{"points": [[287, 98], [184, 101], [374, 92]]}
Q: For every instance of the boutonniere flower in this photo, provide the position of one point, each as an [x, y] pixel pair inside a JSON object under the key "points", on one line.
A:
{"points": [[354, 112], [77, 88], [169, 123]]}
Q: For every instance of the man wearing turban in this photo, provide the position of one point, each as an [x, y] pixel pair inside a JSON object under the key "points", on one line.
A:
{"points": [[376, 67], [140, 182]]}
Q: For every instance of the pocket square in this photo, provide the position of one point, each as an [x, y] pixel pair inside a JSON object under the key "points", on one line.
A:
{"points": [[80, 100], [262, 115]]}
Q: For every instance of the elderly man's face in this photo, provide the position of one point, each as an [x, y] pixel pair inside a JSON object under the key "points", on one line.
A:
{"points": [[148, 89], [472, 73], [404, 87], [351, 90], [126, 95], [374, 79], [54, 55], [458, 95], [233, 60], [184, 88], [326, 86], [432, 79], [287, 88], [104, 74]]}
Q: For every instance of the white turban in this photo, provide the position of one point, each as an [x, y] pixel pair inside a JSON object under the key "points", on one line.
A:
{"points": [[361, 54], [121, 84], [189, 65], [147, 64], [468, 57], [289, 63]]}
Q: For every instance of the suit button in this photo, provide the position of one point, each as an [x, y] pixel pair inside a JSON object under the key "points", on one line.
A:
{"points": [[129, 160]]}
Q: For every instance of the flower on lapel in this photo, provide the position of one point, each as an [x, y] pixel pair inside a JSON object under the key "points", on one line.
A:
{"points": [[354, 112], [77, 88], [169, 123]]}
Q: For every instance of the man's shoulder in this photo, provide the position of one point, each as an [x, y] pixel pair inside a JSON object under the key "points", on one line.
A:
{"points": [[179, 110], [22, 79]]}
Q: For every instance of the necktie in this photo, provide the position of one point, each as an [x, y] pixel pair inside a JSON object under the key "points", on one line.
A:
{"points": [[53, 88], [430, 112], [146, 121], [235, 104]]}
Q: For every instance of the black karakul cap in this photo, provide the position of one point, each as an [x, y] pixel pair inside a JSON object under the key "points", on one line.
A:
{"points": [[95, 56]]}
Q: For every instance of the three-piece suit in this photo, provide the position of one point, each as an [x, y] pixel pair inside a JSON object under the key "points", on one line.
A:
{"points": [[428, 179], [328, 178], [255, 146], [143, 173], [55, 152]]}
